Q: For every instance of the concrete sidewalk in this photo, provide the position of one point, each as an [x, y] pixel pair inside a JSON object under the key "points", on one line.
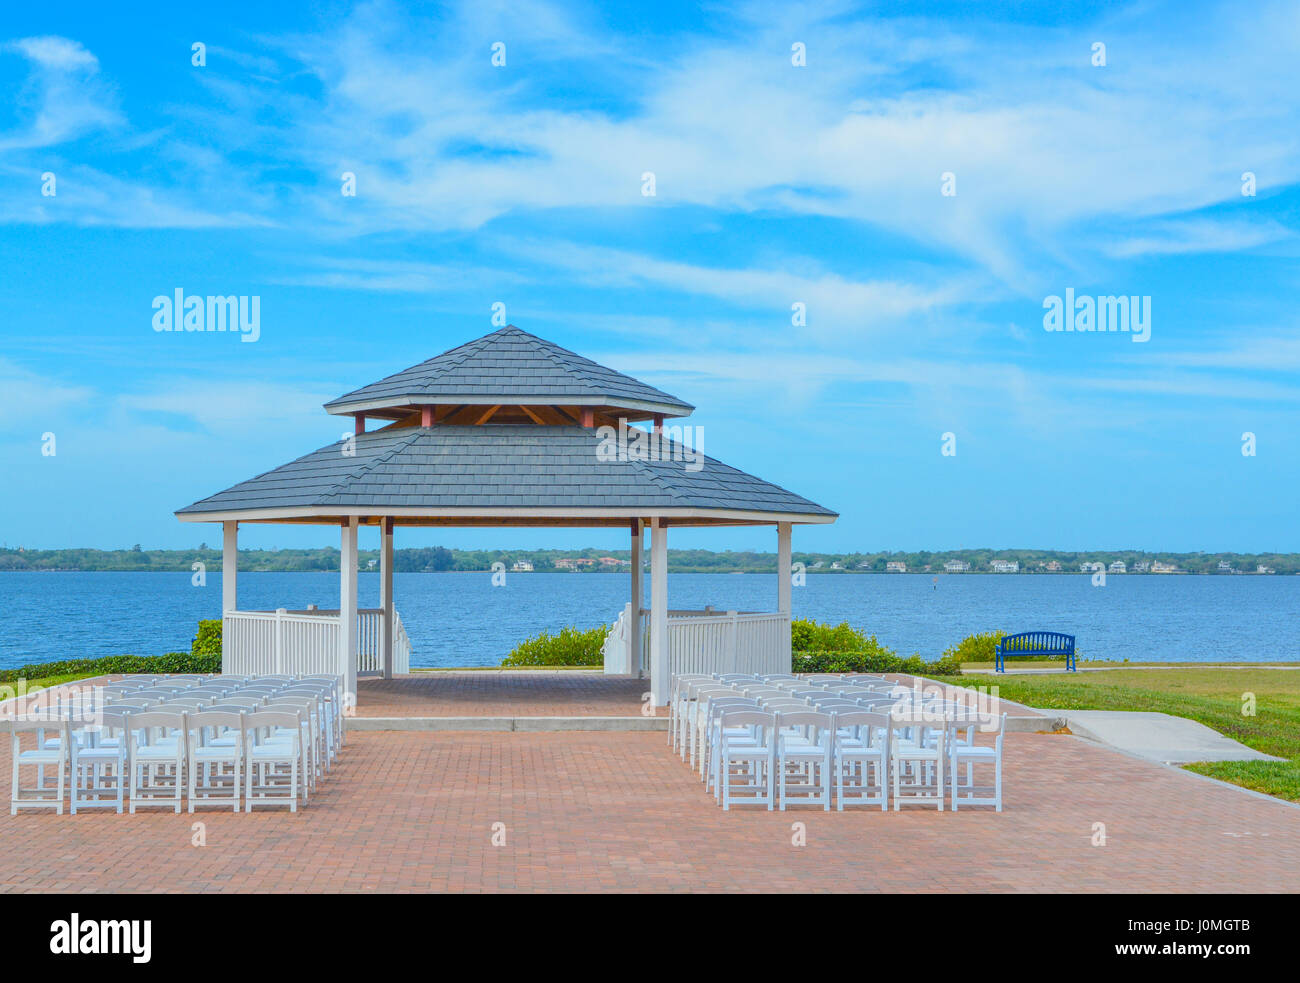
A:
{"points": [[1157, 736]]}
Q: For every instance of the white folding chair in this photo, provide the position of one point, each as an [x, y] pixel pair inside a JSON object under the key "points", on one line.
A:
{"points": [[861, 751], [43, 754], [98, 762], [156, 758], [746, 758], [215, 739], [804, 748], [274, 744], [908, 744], [971, 754]]}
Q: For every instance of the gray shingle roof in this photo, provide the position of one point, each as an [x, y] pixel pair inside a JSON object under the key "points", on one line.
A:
{"points": [[497, 466], [510, 366]]}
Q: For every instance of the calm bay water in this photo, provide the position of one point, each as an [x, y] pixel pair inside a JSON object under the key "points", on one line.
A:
{"points": [[460, 619]]}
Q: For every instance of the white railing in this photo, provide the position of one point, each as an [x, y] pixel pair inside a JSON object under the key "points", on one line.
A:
{"points": [[707, 641], [257, 642]]}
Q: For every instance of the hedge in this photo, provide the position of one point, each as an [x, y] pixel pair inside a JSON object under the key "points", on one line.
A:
{"points": [[171, 662], [873, 660]]}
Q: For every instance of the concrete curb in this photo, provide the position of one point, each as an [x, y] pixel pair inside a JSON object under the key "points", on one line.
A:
{"points": [[1034, 725], [509, 724]]}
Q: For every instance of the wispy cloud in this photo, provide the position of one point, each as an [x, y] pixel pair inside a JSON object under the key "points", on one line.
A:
{"points": [[63, 96]]}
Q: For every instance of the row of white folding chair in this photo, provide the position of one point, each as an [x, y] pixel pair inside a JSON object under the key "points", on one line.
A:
{"points": [[316, 696], [142, 758], [772, 700], [684, 692], [806, 756], [706, 703]]}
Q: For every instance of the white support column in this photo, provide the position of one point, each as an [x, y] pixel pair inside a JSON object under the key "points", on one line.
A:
{"points": [[229, 565], [638, 600], [386, 594], [783, 558], [348, 609], [660, 670]]}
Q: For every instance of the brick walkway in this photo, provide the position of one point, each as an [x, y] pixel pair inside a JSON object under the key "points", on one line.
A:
{"points": [[564, 693], [602, 812]]}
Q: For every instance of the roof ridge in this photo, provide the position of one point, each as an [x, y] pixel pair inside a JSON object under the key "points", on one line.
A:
{"points": [[354, 473], [654, 475]]}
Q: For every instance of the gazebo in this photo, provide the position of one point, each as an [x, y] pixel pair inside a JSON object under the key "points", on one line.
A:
{"points": [[506, 430]]}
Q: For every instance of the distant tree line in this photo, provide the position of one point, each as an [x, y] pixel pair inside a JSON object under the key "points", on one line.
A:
{"points": [[430, 559]]}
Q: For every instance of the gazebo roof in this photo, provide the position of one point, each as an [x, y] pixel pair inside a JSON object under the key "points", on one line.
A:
{"points": [[503, 474], [514, 367]]}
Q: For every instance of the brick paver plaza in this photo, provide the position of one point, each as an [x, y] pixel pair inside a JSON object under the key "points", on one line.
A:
{"points": [[528, 693], [415, 811]]}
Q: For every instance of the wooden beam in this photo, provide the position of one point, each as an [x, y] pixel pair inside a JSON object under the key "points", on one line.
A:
{"points": [[535, 418], [486, 416], [360, 423], [588, 417], [426, 416]]}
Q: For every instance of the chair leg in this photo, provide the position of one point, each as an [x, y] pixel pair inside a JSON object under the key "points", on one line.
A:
{"points": [[62, 773]]}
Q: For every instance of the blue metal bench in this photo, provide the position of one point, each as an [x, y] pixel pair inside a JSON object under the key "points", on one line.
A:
{"points": [[1035, 645]]}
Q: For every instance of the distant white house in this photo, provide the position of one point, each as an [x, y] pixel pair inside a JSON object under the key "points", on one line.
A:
{"points": [[1119, 566], [1090, 567], [522, 566], [1053, 566], [956, 566], [1004, 566], [895, 566], [1158, 567], [1225, 567], [1142, 566], [1260, 568]]}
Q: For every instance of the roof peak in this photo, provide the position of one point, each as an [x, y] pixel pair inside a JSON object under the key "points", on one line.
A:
{"points": [[510, 366]]}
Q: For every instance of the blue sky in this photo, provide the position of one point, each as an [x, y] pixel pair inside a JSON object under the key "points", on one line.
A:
{"points": [[775, 184]]}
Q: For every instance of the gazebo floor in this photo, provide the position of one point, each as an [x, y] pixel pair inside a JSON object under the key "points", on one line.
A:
{"points": [[509, 693]]}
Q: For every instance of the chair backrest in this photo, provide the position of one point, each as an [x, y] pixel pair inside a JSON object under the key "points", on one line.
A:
{"points": [[261, 719], [183, 705], [243, 699], [784, 704], [148, 719], [805, 718], [768, 677], [215, 718], [137, 701], [288, 700], [741, 717], [862, 718]]}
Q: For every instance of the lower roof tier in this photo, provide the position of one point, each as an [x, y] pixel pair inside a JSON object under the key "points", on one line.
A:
{"points": [[510, 475]]}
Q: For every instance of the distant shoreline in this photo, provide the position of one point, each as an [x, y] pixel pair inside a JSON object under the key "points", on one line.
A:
{"points": [[440, 559]]}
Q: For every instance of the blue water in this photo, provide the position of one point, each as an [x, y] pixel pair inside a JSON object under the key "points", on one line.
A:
{"points": [[460, 619]]}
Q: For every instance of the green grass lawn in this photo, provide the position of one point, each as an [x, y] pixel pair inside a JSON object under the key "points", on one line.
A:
{"points": [[44, 682], [1214, 697]]}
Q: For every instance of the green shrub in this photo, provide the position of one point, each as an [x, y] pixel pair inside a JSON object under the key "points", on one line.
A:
{"points": [[980, 647], [171, 662], [208, 639], [570, 647], [810, 636], [877, 659]]}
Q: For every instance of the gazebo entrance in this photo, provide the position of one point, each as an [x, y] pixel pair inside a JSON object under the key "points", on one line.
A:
{"points": [[508, 430]]}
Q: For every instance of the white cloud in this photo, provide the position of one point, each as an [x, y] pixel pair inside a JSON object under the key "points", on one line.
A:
{"points": [[62, 98]]}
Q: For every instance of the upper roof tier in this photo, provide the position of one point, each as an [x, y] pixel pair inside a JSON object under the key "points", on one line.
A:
{"points": [[512, 367]]}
